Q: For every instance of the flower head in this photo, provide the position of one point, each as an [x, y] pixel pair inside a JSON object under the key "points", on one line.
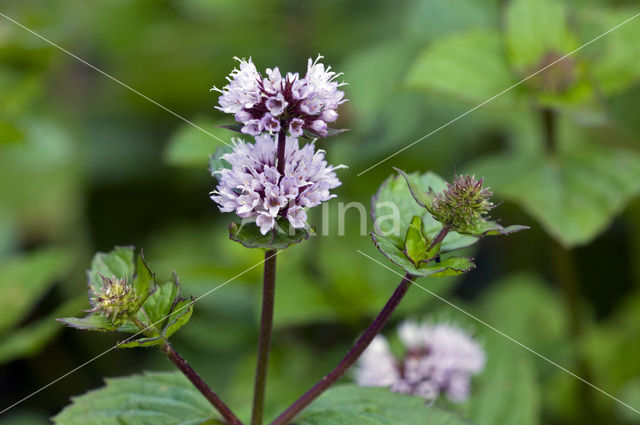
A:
{"points": [[253, 187], [116, 300], [438, 359], [462, 204], [267, 104]]}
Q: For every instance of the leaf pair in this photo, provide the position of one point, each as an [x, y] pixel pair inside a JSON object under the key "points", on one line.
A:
{"points": [[405, 235], [158, 312]]}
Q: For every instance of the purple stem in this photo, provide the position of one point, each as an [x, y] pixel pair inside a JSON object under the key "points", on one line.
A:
{"points": [[351, 357], [264, 344], [197, 381]]}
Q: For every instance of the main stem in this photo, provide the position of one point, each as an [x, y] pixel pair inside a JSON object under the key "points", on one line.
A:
{"points": [[351, 357], [282, 145], [197, 381], [264, 344]]}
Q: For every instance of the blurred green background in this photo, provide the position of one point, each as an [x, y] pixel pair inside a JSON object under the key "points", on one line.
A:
{"points": [[86, 164]]}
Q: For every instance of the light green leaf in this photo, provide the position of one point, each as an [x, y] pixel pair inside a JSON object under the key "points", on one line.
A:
{"points": [[149, 399], [574, 195], [353, 405], [470, 66], [613, 60], [216, 162], [158, 305], [24, 279], [535, 28], [281, 237], [118, 263], [192, 147], [416, 244]]}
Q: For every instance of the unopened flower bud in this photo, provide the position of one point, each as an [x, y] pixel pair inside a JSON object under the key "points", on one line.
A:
{"points": [[116, 300], [319, 127], [462, 205], [243, 116]]}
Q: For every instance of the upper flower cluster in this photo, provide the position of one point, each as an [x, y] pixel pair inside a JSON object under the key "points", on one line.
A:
{"points": [[253, 187], [439, 359], [268, 104]]}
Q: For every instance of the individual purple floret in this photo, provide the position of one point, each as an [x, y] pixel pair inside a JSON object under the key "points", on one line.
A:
{"points": [[254, 189], [439, 359], [267, 104]]}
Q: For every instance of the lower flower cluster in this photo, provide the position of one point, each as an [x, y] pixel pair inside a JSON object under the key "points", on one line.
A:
{"points": [[439, 359], [254, 189]]}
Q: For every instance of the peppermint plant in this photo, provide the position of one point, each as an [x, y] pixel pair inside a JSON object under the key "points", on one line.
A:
{"points": [[269, 178]]}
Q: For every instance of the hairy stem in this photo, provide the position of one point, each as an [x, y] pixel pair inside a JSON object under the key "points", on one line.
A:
{"points": [[197, 381], [439, 237], [351, 357], [264, 344]]}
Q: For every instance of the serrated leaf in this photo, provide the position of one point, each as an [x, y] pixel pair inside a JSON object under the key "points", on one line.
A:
{"points": [[149, 399], [423, 198], [575, 194], [353, 405], [180, 315], [144, 282], [448, 267], [281, 237], [158, 305], [470, 66], [416, 245], [92, 322], [117, 263]]}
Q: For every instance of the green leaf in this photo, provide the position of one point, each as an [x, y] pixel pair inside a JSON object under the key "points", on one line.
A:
{"points": [[470, 66], [535, 28], [216, 162], [149, 399], [393, 208], [422, 197], [416, 244], [192, 147], [180, 315], [449, 267], [574, 195], [491, 228], [281, 237], [92, 322], [158, 305], [117, 263], [144, 281], [353, 405], [24, 279], [142, 342], [613, 60]]}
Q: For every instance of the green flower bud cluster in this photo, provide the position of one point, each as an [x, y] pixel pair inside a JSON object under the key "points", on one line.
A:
{"points": [[462, 205], [117, 300]]}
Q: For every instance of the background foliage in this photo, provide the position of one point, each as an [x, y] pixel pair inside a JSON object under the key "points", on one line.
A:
{"points": [[86, 164]]}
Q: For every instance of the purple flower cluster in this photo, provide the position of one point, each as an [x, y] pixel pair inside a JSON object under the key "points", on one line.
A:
{"points": [[268, 104], [254, 189], [439, 359]]}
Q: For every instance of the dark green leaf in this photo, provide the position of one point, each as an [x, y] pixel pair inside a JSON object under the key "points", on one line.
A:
{"points": [[180, 315], [92, 322], [143, 282], [281, 237], [149, 399], [353, 405], [447, 267], [142, 342]]}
